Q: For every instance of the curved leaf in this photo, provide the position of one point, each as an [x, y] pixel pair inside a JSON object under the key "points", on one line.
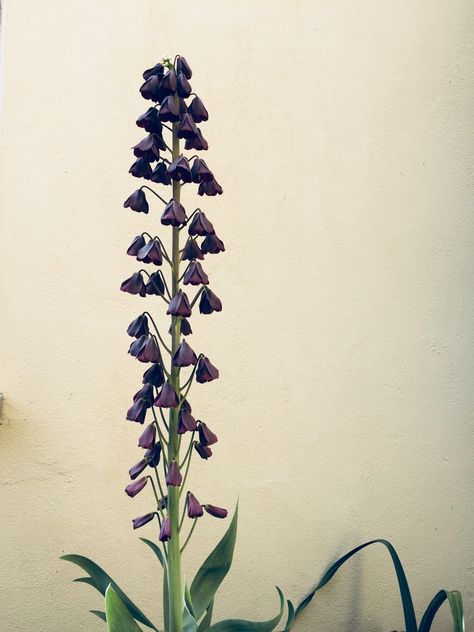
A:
{"points": [[206, 621], [407, 602], [100, 580], [241, 625], [157, 551], [118, 616], [455, 603], [212, 572], [189, 622], [99, 614], [291, 616]]}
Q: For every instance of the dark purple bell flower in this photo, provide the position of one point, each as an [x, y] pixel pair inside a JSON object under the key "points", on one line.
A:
{"points": [[179, 305], [173, 214], [185, 327], [206, 436], [179, 169], [167, 397], [173, 476], [198, 142], [137, 202], [149, 147], [184, 355], [194, 506], [154, 375], [195, 275], [151, 89], [160, 174], [191, 251], [134, 285], [158, 69], [186, 422], [137, 243], [138, 327], [198, 111], [204, 451], [200, 171], [147, 439], [142, 520], [134, 488], [187, 127], [210, 187], [183, 108], [151, 253], [185, 405], [137, 469], [141, 169], [169, 110], [138, 345], [217, 512], [168, 83], [183, 86], [155, 285], [150, 352], [205, 371], [137, 411], [211, 244], [150, 122], [200, 225], [165, 531], [183, 66], [153, 455], [146, 393], [209, 302]]}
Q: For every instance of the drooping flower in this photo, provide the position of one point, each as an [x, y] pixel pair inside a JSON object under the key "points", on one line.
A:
{"points": [[151, 253], [194, 506], [209, 302], [149, 147], [179, 169], [138, 345], [179, 305], [151, 88], [134, 488], [160, 174], [186, 422], [155, 284], [141, 169], [200, 171], [138, 327], [174, 476], [169, 110], [183, 86], [150, 122], [186, 128], [217, 512], [183, 66], [184, 355], [150, 352], [153, 455], [137, 202], [165, 531], [200, 225], [198, 111], [134, 284], [146, 393], [185, 327], [191, 251], [168, 83], [173, 214], [137, 243], [204, 451], [137, 469], [142, 520], [137, 411], [210, 187], [158, 70], [211, 244], [195, 275], [205, 371], [154, 375], [167, 397], [197, 142], [206, 436], [147, 439]]}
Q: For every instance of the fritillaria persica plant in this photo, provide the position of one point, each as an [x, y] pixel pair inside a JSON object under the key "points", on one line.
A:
{"points": [[171, 272]]}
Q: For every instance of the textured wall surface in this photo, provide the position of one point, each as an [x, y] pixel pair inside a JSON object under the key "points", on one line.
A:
{"points": [[342, 134]]}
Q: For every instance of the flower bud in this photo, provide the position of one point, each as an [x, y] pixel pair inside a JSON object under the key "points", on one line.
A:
{"points": [[137, 202], [146, 393], [138, 327], [150, 122], [160, 174], [150, 352], [137, 411], [211, 244], [137, 469], [184, 355], [198, 111], [200, 171], [210, 187], [167, 397], [165, 531], [183, 86], [198, 142], [187, 127], [142, 520], [179, 169], [179, 305], [209, 302], [154, 375], [194, 506], [173, 476], [169, 110], [153, 455], [200, 225], [217, 512], [147, 439], [137, 243], [186, 422], [151, 253], [155, 285], [134, 488], [183, 66], [173, 214], [206, 436], [134, 285], [191, 251], [204, 451], [195, 275], [141, 169]]}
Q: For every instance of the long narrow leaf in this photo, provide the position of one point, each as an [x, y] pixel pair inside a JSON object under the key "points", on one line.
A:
{"points": [[99, 614], [407, 602], [118, 616], [157, 551], [241, 625], [206, 620], [455, 603], [291, 616]]}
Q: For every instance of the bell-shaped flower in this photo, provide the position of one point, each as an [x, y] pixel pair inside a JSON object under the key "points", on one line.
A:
{"points": [[183, 66], [137, 411], [183, 86], [185, 327], [206, 436], [154, 375], [168, 83], [169, 110], [158, 69], [146, 393], [155, 285], [205, 371], [210, 187], [217, 512], [200, 171], [137, 202], [149, 147], [167, 397], [147, 439], [211, 244], [135, 488], [194, 506], [179, 169], [138, 345], [138, 327], [179, 305], [200, 225], [134, 285], [137, 243], [165, 531], [141, 169], [195, 275], [150, 352], [151, 253], [142, 520], [150, 122], [135, 471], [187, 127], [153, 455], [184, 355], [186, 422], [173, 214], [173, 476], [185, 405], [160, 174], [191, 251], [204, 451], [151, 88], [197, 142], [209, 302], [198, 111]]}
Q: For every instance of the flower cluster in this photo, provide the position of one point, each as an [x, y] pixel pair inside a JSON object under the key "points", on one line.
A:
{"points": [[170, 272]]}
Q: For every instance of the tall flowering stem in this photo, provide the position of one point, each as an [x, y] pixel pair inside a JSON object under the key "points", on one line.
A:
{"points": [[159, 160]]}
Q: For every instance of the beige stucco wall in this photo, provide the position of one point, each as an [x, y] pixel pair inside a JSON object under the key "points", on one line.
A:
{"points": [[342, 134]]}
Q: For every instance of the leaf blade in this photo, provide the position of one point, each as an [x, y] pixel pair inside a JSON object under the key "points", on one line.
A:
{"points": [[242, 625], [117, 614]]}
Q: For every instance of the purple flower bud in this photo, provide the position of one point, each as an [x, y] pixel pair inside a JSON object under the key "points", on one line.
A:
{"points": [[138, 345], [137, 411], [168, 83], [183, 66], [185, 327], [173, 476], [141, 169], [134, 488], [191, 251], [211, 244], [179, 305], [198, 142], [149, 147], [169, 110], [155, 285], [153, 455], [137, 202], [147, 439], [204, 451], [150, 352], [179, 169], [142, 520], [210, 187], [134, 285], [195, 275], [167, 397], [151, 88], [200, 225], [217, 512], [158, 69], [160, 174], [200, 171], [165, 531], [184, 355], [206, 436], [205, 371], [137, 469], [137, 243], [186, 422], [194, 506], [209, 302], [138, 327], [150, 122], [151, 253], [173, 214], [198, 111], [146, 393], [186, 128], [183, 86], [154, 375]]}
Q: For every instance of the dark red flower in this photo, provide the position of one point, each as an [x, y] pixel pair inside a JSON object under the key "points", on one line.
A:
{"points": [[142, 520], [197, 142], [138, 345], [149, 147], [200, 225], [160, 174], [210, 187], [151, 88], [183, 86], [186, 422], [155, 285], [194, 506], [211, 244], [146, 393], [183, 66], [165, 531], [138, 327], [167, 397], [150, 352], [217, 512], [191, 251], [134, 285], [137, 202], [137, 469], [150, 122], [206, 436], [195, 275], [209, 302], [147, 439], [137, 411], [134, 488], [185, 327], [169, 110], [154, 375], [205, 371], [141, 169], [173, 476], [153, 455], [184, 355], [200, 171], [179, 169], [151, 253], [198, 111], [173, 214], [179, 305], [204, 451], [137, 243], [187, 127]]}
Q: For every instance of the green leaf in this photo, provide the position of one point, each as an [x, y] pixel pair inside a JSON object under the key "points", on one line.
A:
{"points": [[291, 616], [211, 574], [189, 622], [99, 614], [157, 551], [407, 602], [241, 625], [100, 580], [206, 621], [455, 603], [118, 616], [187, 598]]}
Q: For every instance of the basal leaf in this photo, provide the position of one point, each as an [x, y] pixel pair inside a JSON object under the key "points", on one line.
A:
{"points": [[157, 551], [206, 620], [99, 614], [118, 616], [241, 625], [455, 603], [189, 622], [291, 616]]}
